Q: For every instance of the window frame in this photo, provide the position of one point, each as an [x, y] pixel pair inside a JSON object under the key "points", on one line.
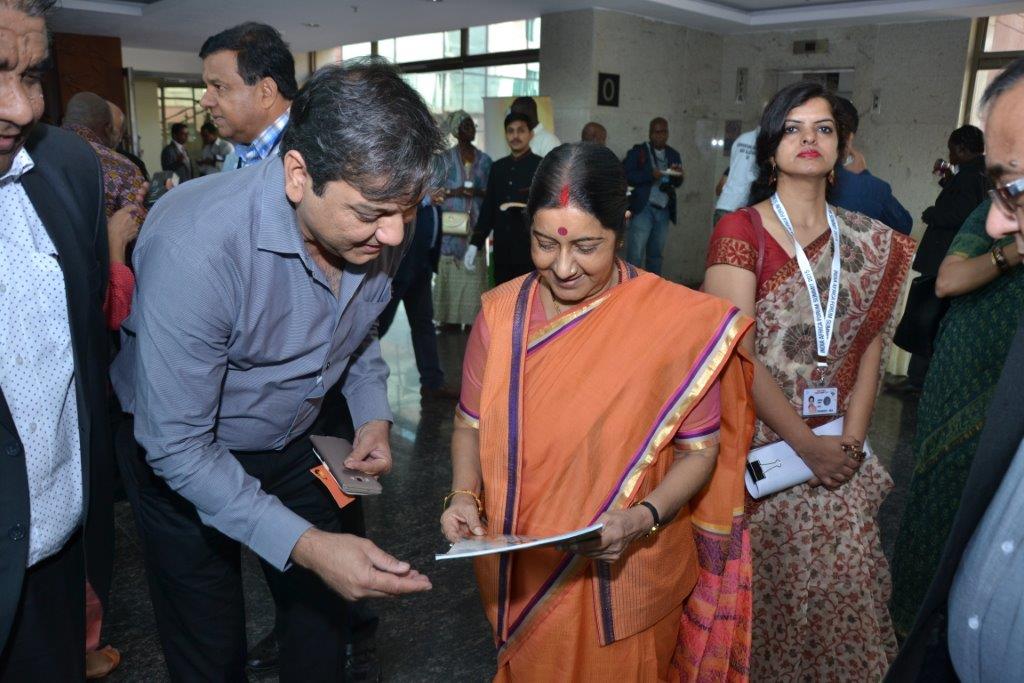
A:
{"points": [[981, 60], [464, 60]]}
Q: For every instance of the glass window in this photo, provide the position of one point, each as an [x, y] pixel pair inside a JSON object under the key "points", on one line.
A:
{"points": [[505, 37], [1005, 33], [998, 40], [447, 91], [356, 50], [421, 48]]}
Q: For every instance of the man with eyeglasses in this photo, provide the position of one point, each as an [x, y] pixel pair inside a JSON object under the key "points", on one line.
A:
{"points": [[971, 625]]}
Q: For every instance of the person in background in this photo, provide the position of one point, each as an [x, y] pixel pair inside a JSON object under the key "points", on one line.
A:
{"points": [[858, 190], [121, 143], [594, 132], [961, 194], [290, 261], [174, 156], [508, 182], [411, 287], [981, 277], [92, 118], [654, 170], [970, 626], [740, 175], [56, 504], [249, 74], [821, 581], [655, 454], [457, 289], [215, 150], [543, 140]]}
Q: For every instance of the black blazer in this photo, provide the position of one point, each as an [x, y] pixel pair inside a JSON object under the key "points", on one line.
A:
{"points": [[171, 161], [1000, 439], [66, 189], [960, 195]]}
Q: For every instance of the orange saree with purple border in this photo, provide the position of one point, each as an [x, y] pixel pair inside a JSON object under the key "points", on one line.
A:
{"points": [[578, 418]]}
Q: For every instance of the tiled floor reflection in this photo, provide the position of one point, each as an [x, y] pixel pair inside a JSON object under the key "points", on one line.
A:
{"points": [[441, 635]]}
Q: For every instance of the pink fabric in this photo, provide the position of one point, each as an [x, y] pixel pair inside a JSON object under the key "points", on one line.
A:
{"points": [[704, 415]]}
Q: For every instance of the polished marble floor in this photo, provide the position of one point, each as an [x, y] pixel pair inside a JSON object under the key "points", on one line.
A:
{"points": [[441, 635]]}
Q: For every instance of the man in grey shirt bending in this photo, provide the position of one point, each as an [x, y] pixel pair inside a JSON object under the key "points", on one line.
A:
{"points": [[257, 291]]}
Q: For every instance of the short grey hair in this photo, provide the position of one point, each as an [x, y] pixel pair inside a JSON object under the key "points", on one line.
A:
{"points": [[90, 110], [1006, 80]]}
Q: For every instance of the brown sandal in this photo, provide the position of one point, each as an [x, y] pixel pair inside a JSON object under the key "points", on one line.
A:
{"points": [[99, 663]]}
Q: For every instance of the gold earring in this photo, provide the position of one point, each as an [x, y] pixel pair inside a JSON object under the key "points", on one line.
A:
{"points": [[773, 177], [832, 177]]}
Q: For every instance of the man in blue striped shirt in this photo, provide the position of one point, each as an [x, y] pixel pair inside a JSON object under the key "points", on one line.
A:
{"points": [[250, 84], [257, 292]]}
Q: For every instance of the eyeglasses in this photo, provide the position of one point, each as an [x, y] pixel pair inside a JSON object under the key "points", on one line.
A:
{"points": [[1005, 196]]}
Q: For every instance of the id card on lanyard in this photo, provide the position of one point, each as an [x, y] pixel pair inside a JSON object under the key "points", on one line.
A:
{"points": [[817, 400]]}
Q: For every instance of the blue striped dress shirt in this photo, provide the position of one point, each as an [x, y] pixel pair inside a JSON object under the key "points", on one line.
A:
{"points": [[233, 340]]}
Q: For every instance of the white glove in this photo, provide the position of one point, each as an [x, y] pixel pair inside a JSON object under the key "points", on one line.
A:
{"points": [[469, 260]]}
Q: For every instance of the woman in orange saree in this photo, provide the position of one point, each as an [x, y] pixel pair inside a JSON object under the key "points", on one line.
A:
{"points": [[593, 391], [821, 581]]}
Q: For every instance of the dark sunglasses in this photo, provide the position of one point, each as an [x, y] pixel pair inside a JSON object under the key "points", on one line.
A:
{"points": [[1006, 196]]}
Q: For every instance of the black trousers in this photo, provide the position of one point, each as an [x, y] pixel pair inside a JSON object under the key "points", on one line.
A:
{"points": [[195, 579], [47, 640]]}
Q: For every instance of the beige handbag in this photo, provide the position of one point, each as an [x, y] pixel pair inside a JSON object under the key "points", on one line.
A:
{"points": [[455, 223]]}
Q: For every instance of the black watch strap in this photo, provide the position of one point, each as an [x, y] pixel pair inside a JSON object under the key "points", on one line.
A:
{"points": [[654, 512]]}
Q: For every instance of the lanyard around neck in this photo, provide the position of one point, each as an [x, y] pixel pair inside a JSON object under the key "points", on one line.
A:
{"points": [[824, 320]]}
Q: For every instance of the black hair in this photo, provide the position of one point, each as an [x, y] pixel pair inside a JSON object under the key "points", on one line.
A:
{"points": [[594, 178], [846, 111], [517, 116], [968, 138], [210, 127], [773, 127], [262, 53], [526, 105], [178, 126], [1008, 78], [657, 119], [33, 8], [361, 123]]}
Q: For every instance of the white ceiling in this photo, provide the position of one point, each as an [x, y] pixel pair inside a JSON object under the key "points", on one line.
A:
{"points": [[184, 24]]}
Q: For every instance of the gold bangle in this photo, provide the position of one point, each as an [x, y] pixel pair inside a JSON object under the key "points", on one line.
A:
{"points": [[447, 499]]}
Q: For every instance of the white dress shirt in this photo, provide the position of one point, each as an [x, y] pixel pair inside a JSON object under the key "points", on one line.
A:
{"points": [[543, 141], [37, 368]]}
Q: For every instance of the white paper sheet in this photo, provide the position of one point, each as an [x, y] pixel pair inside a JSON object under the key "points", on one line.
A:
{"points": [[491, 545]]}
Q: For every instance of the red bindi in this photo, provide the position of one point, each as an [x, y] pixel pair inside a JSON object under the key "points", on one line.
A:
{"points": [[563, 197], [563, 232]]}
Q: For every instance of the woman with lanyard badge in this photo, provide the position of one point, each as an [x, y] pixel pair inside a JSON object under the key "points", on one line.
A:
{"points": [[821, 283]]}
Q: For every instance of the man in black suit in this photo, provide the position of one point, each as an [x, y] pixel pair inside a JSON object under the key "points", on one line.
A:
{"points": [[412, 286], [55, 467], [174, 156], [971, 625]]}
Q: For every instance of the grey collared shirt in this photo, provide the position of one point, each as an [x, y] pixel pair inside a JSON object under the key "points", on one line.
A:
{"points": [[986, 603], [233, 340]]}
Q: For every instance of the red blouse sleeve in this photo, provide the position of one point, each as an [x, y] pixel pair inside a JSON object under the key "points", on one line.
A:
{"points": [[118, 303], [701, 427], [734, 242], [473, 364]]}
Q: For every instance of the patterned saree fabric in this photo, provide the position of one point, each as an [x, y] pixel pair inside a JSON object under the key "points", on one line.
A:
{"points": [[578, 417], [970, 351], [821, 581]]}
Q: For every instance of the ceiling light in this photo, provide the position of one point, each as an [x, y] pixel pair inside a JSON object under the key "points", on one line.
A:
{"points": [[310, 24]]}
